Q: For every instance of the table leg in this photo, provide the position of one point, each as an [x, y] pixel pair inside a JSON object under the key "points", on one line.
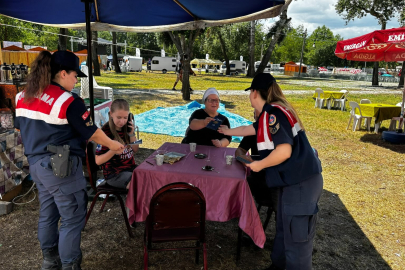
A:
{"points": [[376, 126]]}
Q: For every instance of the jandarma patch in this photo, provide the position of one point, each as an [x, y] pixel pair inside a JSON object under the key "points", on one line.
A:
{"points": [[85, 115], [272, 119], [274, 129]]}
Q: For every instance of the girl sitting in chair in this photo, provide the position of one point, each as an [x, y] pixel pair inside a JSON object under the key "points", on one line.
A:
{"points": [[118, 165]]}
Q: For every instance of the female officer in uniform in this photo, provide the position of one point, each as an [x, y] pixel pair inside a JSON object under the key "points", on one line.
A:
{"points": [[47, 113], [290, 163]]}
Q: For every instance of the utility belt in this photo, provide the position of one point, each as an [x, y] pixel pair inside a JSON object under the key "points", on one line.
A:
{"points": [[61, 162]]}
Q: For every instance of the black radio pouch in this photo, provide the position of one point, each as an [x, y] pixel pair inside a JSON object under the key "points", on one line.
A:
{"points": [[61, 163]]}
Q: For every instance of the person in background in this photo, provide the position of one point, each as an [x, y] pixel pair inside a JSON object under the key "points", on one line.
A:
{"points": [[257, 180], [198, 132], [51, 117], [179, 72], [291, 164], [149, 65], [118, 165]]}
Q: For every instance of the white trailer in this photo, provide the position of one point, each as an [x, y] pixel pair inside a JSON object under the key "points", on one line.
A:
{"points": [[133, 63], [236, 67], [164, 64], [266, 69]]}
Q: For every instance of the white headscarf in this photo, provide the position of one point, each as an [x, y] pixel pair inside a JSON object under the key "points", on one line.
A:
{"points": [[210, 91]]}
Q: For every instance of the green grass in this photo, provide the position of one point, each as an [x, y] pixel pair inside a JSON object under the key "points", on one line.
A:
{"points": [[158, 80]]}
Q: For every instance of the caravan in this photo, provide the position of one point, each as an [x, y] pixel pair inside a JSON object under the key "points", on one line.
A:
{"points": [[164, 64], [266, 69], [133, 63], [236, 66]]}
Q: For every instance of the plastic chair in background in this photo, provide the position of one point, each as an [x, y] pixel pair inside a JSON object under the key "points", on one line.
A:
{"points": [[357, 117], [176, 213], [341, 102], [103, 92], [319, 102], [365, 101]]}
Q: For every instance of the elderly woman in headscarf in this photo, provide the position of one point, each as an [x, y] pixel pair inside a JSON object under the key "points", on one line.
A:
{"points": [[203, 123]]}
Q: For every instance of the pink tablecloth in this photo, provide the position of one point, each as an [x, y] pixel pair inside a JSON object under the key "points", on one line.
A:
{"points": [[226, 190]]}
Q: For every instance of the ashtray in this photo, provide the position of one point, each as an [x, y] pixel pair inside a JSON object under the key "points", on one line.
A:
{"points": [[200, 156], [208, 168]]}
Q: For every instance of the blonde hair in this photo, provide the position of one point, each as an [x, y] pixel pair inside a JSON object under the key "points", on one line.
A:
{"points": [[276, 96], [118, 104]]}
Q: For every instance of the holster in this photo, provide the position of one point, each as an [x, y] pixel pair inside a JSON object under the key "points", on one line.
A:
{"points": [[61, 163]]}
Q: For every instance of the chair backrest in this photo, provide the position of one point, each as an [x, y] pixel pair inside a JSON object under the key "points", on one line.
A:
{"points": [[85, 70], [365, 101], [92, 167], [354, 105], [319, 91], [399, 104], [178, 206]]}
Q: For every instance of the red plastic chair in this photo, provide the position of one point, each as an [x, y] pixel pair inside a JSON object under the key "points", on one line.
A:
{"points": [[176, 213], [92, 169]]}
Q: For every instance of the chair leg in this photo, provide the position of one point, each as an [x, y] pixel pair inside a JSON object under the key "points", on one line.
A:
{"points": [[348, 124], [205, 256], [104, 202], [238, 248], [258, 208], [197, 253], [124, 213], [355, 122], [91, 208], [269, 213]]}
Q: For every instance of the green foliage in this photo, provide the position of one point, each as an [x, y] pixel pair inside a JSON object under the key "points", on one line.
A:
{"points": [[290, 47]]}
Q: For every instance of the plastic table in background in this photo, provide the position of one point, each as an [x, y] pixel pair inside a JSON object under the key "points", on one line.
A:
{"points": [[226, 190], [380, 112], [329, 95]]}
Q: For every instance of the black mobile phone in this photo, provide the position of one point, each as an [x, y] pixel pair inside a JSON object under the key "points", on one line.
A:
{"points": [[130, 118], [241, 159]]}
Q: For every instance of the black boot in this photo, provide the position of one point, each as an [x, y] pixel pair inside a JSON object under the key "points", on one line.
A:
{"points": [[75, 265], [51, 259]]}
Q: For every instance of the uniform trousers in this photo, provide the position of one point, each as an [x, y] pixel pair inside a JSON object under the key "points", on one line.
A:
{"points": [[64, 199], [295, 228]]}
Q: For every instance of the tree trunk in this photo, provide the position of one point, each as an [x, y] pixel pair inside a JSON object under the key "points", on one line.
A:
{"points": [[401, 79], [266, 58], [114, 53], [186, 51], [375, 68], [94, 56], [223, 48], [62, 41], [251, 70]]}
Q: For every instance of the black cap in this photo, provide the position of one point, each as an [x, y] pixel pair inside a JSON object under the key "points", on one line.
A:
{"points": [[67, 60], [261, 81]]}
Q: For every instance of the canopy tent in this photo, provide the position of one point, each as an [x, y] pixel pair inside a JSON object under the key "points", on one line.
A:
{"points": [[140, 15], [37, 49], [151, 16], [381, 45], [209, 62], [13, 48]]}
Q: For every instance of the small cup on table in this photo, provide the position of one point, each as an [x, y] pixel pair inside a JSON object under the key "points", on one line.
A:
{"points": [[193, 147], [228, 159], [159, 160]]}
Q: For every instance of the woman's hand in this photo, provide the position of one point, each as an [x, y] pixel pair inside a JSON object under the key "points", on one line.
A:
{"points": [[255, 166], [216, 143], [224, 129], [208, 120]]}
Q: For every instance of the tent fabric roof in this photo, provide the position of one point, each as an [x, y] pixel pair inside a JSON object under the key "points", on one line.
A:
{"points": [[205, 62], [37, 49], [13, 48], [141, 15]]}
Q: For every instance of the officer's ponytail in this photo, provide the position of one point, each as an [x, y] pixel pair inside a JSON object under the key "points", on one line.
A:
{"points": [[39, 77], [275, 95]]}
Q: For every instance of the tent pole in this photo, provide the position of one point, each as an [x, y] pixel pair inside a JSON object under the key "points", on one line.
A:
{"points": [[89, 61]]}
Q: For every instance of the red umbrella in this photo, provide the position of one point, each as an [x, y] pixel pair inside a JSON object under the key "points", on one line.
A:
{"points": [[381, 45]]}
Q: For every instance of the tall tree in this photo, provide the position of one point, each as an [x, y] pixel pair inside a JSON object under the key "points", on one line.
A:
{"points": [[276, 36], [251, 71], [62, 42], [382, 10], [185, 48], [114, 53], [94, 56]]}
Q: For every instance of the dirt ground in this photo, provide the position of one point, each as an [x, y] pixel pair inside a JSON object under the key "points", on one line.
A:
{"points": [[106, 244]]}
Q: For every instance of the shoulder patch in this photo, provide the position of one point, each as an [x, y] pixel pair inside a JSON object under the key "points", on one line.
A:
{"points": [[273, 130], [85, 115], [272, 119]]}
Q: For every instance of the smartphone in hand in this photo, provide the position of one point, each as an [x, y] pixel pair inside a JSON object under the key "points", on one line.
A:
{"points": [[241, 159]]}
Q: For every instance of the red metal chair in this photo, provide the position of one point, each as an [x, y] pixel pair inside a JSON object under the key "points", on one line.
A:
{"points": [[108, 190], [176, 213]]}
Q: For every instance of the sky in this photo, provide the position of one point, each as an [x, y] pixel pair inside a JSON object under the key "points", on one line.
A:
{"points": [[314, 13]]}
